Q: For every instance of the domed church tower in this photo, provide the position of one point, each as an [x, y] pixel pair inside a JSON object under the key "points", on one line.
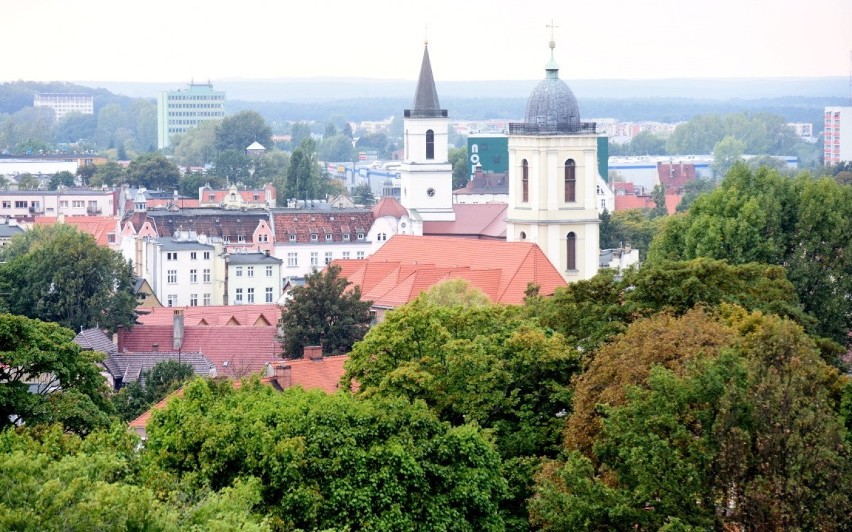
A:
{"points": [[553, 179], [426, 175]]}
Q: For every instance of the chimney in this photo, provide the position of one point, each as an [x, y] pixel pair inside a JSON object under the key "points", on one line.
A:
{"points": [[312, 352], [177, 326], [155, 348], [118, 338], [284, 376]]}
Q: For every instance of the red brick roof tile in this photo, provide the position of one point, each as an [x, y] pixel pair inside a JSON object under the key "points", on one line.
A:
{"points": [[99, 227], [248, 315]]}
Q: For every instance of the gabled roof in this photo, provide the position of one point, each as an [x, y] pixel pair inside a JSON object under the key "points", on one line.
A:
{"points": [[95, 340], [623, 203], [129, 366], [256, 146], [215, 315], [473, 220], [304, 223], [389, 206], [210, 222], [99, 227], [406, 265], [234, 351], [321, 374]]}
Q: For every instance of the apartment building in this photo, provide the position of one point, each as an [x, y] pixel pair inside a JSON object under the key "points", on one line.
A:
{"points": [[181, 110], [837, 138], [63, 103]]}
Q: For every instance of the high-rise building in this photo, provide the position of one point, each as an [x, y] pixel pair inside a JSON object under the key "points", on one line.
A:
{"points": [[553, 179], [182, 110], [837, 135], [63, 103]]}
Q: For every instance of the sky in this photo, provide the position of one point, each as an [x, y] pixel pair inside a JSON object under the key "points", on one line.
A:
{"points": [[183, 40]]}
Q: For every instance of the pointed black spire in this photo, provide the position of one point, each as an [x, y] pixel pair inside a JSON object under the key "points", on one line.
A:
{"points": [[426, 96]]}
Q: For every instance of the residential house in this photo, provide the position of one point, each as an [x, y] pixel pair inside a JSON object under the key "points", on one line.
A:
{"points": [[252, 278]]}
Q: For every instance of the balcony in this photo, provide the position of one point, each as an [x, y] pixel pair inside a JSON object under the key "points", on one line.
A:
{"points": [[93, 211]]}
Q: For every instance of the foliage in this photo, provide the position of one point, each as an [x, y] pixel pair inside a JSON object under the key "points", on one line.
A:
{"points": [[336, 148], [331, 461], [748, 438], [726, 153], [755, 133], [197, 147], [61, 179], [461, 173], [67, 386], [239, 131], [803, 224], [56, 273], [299, 131], [152, 387], [110, 174], [659, 197], [455, 292], [643, 143], [324, 312], [694, 188], [154, 172], [74, 127], [55, 481], [233, 165], [191, 182], [362, 194], [27, 181]]}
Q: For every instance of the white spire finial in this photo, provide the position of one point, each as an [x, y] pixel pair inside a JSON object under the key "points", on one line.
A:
{"points": [[552, 26]]}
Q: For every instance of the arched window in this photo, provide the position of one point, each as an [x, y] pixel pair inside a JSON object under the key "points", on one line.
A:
{"points": [[430, 144], [572, 251], [570, 181], [523, 235], [525, 181]]}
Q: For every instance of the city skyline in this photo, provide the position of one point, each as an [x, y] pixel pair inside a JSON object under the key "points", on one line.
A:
{"points": [[160, 41]]}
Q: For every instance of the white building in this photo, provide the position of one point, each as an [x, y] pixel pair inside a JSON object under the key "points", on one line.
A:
{"points": [[553, 179], [181, 110], [182, 272], [252, 278], [63, 103], [21, 203], [837, 137]]}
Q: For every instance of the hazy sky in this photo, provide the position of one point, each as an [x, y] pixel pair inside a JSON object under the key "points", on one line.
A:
{"points": [[175, 40]]}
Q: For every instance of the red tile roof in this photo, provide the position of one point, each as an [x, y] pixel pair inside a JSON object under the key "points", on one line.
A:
{"points": [[473, 220], [675, 176], [389, 206], [229, 315], [235, 351], [183, 203], [99, 227], [303, 223], [623, 203], [407, 265]]}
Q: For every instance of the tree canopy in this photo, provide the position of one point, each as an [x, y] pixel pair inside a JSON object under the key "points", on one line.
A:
{"points": [[152, 387], [153, 171], [239, 131], [323, 312], [56, 273]]}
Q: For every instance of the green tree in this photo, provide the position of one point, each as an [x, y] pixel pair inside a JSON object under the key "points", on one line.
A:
{"points": [[330, 130], [197, 147], [56, 273], [74, 127], [299, 131], [803, 224], [61, 179], [362, 194], [152, 387], [233, 165], [153, 171], [85, 172], [659, 196], [336, 148], [190, 182], [303, 173], [607, 232], [647, 143], [726, 153], [111, 118], [27, 181], [110, 174], [47, 378], [461, 174], [694, 188], [331, 461], [322, 312], [239, 131]]}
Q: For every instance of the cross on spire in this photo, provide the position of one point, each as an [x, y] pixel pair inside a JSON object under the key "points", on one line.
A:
{"points": [[552, 26]]}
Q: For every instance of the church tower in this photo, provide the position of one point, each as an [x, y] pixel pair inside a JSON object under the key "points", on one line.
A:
{"points": [[426, 175], [553, 179]]}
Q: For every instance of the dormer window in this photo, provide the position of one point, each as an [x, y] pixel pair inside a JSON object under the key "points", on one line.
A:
{"points": [[328, 237], [241, 238], [292, 237], [360, 236], [346, 237], [314, 237]]}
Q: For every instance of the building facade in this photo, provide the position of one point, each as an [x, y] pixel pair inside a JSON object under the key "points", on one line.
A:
{"points": [[252, 278], [181, 110], [23, 203], [553, 179], [837, 145], [63, 103]]}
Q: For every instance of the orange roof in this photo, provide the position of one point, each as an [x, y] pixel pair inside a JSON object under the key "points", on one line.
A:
{"points": [[389, 206], [407, 265], [476, 220], [99, 227], [626, 202], [233, 315]]}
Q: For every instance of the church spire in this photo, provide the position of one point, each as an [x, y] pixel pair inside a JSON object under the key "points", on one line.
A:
{"points": [[552, 68], [426, 96]]}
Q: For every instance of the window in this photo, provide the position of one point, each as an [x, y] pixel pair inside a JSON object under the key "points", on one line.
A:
{"points": [[525, 181], [292, 260], [193, 300], [345, 255], [292, 237], [360, 236], [314, 237], [314, 258], [430, 144], [171, 300], [238, 299], [238, 271], [241, 238], [206, 274], [171, 277], [570, 181], [328, 237], [23, 204], [171, 255], [63, 204], [193, 255], [250, 296], [206, 300], [8, 204], [193, 276], [269, 271], [77, 204], [359, 254], [269, 294], [249, 271], [572, 251], [327, 258], [263, 237], [346, 237], [206, 255]]}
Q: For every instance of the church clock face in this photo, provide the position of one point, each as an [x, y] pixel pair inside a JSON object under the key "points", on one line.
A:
{"points": [[430, 192]]}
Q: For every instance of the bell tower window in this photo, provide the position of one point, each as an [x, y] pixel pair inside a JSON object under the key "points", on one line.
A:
{"points": [[572, 251], [430, 144], [525, 181], [570, 181]]}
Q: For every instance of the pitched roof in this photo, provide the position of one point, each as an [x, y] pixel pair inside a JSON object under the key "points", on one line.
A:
{"points": [[95, 340], [426, 96], [485, 183], [99, 227], [626, 202], [211, 222], [234, 351], [473, 220], [215, 315], [675, 176], [129, 365], [406, 265], [389, 206], [303, 223]]}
